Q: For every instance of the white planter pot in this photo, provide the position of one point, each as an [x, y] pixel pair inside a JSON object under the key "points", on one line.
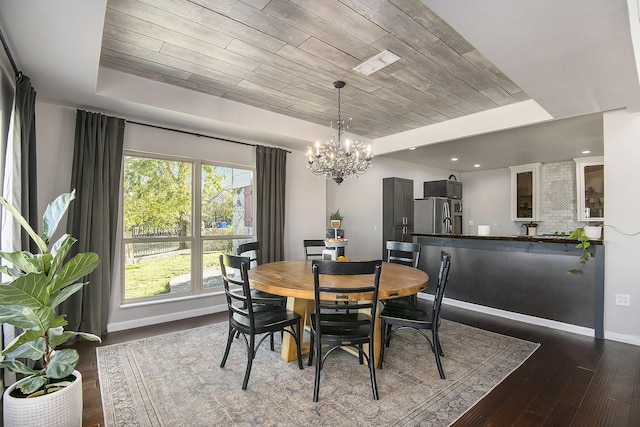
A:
{"points": [[593, 232], [62, 408]]}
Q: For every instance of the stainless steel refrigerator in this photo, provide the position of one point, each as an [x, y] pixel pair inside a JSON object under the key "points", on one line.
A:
{"points": [[437, 215]]}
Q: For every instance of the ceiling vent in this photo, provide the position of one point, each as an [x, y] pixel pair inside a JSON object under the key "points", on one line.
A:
{"points": [[377, 62]]}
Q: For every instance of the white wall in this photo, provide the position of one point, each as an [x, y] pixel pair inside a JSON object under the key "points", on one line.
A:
{"points": [[486, 200], [305, 206], [622, 175], [55, 129], [360, 202]]}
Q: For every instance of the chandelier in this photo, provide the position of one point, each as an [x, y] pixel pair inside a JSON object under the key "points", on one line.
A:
{"points": [[335, 160]]}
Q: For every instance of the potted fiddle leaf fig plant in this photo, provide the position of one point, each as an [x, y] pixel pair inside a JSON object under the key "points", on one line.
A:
{"points": [[39, 282]]}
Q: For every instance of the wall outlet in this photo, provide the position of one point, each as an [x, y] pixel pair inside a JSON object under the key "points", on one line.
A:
{"points": [[623, 299], [496, 226], [470, 222]]}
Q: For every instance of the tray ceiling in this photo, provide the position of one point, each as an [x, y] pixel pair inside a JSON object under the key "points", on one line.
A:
{"points": [[283, 56]]}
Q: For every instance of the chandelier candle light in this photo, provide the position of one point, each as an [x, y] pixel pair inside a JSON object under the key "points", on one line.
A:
{"points": [[336, 161]]}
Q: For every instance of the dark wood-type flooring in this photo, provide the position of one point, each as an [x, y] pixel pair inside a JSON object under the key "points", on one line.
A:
{"points": [[571, 380]]}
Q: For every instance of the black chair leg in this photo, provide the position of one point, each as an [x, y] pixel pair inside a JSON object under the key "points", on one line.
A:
{"points": [[316, 383], [372, 372], [388, 333], [226, 351], [250, 355], [437, 351], [311, 348], [383, 339], [298, 339]]}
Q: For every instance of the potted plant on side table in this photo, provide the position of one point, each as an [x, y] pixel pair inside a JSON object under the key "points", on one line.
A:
{"points": [[51, 394]]}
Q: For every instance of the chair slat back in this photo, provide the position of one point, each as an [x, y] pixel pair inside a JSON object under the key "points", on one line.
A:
{"points": [[326, 294], [235, 273], [403, 253], [253, 248], [312, 243]]}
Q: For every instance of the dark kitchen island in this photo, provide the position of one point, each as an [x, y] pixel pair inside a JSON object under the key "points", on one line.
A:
{"points": [[522, 274]]}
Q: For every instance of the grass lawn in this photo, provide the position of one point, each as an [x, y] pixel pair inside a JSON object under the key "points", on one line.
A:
{"points": [[151, 277]]}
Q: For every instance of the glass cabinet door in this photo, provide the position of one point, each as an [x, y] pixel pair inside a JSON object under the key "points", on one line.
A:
{"points": [[525, 188], [590, 188]]}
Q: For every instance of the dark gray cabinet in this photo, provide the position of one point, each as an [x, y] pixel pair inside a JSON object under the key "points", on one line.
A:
{"points": [[397, 211]]}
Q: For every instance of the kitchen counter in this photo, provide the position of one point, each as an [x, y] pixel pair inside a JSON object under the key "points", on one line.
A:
{"points": [[523, 274], [519, 238]]}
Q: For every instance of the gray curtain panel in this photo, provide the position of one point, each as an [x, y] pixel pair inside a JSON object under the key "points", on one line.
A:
{"points": [[270, 192], [23, 121], [25, 109], [92, 218]]}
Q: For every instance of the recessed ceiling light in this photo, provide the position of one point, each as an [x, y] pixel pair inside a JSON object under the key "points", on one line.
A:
{"points": [[454, 159], [476, 165], [412, 148], [377, 62], [586, 152]]}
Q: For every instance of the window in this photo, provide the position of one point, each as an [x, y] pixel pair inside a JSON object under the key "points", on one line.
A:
{"points": [[525, 192], [165, 253]]}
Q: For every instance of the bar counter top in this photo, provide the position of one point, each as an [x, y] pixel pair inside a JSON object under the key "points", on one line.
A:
{"points": [[520, 238]]}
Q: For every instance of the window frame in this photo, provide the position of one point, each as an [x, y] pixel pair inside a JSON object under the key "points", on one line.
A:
{"points": [[195, 239]]}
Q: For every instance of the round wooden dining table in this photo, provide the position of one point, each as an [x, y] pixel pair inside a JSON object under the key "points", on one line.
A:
{"points": [[294, 279]]}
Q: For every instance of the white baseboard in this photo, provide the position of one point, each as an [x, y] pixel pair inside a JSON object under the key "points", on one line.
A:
{"points": [[170, 317], [629, 339], [515, 316]]}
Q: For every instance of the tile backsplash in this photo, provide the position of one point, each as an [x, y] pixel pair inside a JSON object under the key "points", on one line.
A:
{"points": [[559, 201]]}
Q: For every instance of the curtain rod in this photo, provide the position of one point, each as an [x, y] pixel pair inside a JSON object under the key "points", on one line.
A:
{"points": [[6, 49], [194, 134]]}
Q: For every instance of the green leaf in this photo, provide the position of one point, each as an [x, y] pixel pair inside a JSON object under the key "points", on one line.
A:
{"points": [[25, 261], [12, 272], [40, 317], [18, 367], [29, 291], [62, 363], [77, 267], [33, 350], [88, 337], [32, 384], [64, 293], [59, 321], [54, 213], [58, 336], [13, 315], [33, 337], [25, 224], [59, 252]]}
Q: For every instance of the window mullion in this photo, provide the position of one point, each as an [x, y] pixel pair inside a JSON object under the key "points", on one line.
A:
{"points": [[197, 262]]}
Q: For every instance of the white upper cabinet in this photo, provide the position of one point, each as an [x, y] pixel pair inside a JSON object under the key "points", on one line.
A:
{"points": [[590, 188], [525, 192]]}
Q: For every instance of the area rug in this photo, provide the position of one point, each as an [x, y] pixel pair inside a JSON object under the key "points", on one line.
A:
{"points": [[175, 380]]}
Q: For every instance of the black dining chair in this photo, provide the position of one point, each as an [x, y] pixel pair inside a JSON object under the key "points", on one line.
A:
{"points": [[417, 316], [251, 250], [404, 253], [339, 325], [250, 319], [313, 243]]}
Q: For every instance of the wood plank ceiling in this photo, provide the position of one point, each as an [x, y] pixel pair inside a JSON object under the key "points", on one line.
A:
{"points": [[284, 55]]}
